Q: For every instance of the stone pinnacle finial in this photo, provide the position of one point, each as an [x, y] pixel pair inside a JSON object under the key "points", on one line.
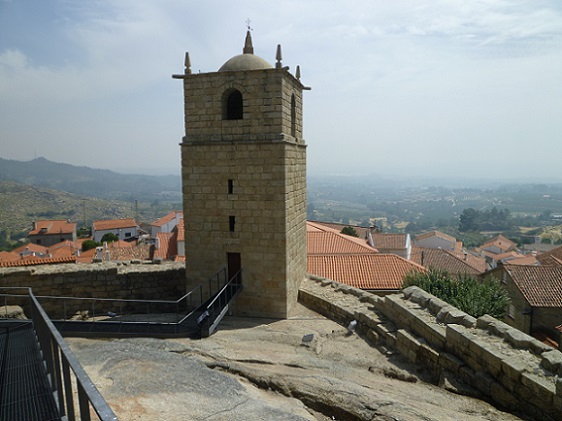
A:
{"points": [[278, 57], [248, 47], [187, 63], [298, 73]]}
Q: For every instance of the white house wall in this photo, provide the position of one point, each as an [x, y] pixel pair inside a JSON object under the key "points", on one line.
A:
{"points": [[123, 234]]}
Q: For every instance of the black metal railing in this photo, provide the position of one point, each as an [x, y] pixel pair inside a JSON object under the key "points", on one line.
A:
{"points": [[75, 394], [172, 313], [218, 306]]}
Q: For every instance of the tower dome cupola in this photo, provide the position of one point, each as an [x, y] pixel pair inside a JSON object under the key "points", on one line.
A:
{"points": [[247, 60]]}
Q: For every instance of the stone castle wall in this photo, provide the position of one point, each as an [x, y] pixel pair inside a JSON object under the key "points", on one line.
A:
{"points": [[99, 280], [495, 361]]}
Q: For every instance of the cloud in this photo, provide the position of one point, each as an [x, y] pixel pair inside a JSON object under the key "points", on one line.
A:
{"points": [[431, 77]]}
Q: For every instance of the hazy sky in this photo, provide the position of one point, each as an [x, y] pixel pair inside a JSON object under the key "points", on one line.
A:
{"points": [[441, 88]]}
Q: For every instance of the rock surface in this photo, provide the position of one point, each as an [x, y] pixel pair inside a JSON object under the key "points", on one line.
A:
{"points": [[261, 369], [12, 312]]}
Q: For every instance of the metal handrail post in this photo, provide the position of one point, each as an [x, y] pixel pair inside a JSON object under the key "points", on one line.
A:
{"points": [[68, 390]]}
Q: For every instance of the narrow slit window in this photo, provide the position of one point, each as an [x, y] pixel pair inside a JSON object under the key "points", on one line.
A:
{"points": [[230, 186], [293, 116], [231, 222]]}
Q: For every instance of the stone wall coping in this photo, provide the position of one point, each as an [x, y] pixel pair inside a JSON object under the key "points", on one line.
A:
{"points": [[512, 368]]}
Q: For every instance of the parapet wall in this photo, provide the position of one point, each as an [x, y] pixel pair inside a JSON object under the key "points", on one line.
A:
{"points": [[100, 280], [499, 363]]}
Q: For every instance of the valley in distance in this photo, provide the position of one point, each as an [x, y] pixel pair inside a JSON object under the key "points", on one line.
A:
{"points": [[469, 210]]}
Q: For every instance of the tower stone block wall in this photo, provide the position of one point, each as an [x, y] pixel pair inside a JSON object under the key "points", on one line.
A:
{"points": [[267, 106], [244, 184]]}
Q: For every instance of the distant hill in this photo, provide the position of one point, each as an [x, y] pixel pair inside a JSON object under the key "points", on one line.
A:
{"points": [[21, 204], [105, 184]]}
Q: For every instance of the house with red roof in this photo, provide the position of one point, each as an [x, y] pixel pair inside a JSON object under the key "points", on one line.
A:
{"points": [[166, 224], [352, 261], [551, 258], [498, 245], [125, 229], [49, 232], [31, 249], [170, 245], [399, 244], [536, 297], [437, 240], [456, 264]]}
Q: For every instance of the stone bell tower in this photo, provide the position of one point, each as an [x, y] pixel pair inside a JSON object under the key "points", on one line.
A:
{"points": [[244, 180]]}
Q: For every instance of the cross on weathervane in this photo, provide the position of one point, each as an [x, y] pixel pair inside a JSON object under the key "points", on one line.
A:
{"points": [[248, 21]]}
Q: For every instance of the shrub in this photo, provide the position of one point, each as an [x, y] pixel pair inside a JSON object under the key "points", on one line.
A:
{"points": [[109, 238], [349, 231], [465, 292], [89, 244]]}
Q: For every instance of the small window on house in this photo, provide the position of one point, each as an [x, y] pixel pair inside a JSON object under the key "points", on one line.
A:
{"points": [[504, 278], [233, 105], [230, 186], [231, 222], [127, 235], [293, 116]]}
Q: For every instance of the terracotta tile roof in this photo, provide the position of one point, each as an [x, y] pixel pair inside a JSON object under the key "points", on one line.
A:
{"points": [[389, 241], [444, 260], [366, 271], [46, 227], [120, 244], [526, 260], [439, 234], [34, 261], [499, 241], [64, 248], [181, 230], [351, 261], [540, 285], [324, 240], [86, 256], [7, 256], [112, 224], [508, 255], [550, 258], [330, 243], [130, 252], [167, 246], [361, 231], [31, 248], [167, 218]]}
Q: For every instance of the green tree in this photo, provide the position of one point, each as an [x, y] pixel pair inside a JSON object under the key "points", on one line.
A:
{"points": [[468, 220], [89, 244], [465, 292], [109, 238], [349, 231]]}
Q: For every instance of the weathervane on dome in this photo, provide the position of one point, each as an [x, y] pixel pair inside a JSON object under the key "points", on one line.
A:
{"points": [[248, 21]]}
